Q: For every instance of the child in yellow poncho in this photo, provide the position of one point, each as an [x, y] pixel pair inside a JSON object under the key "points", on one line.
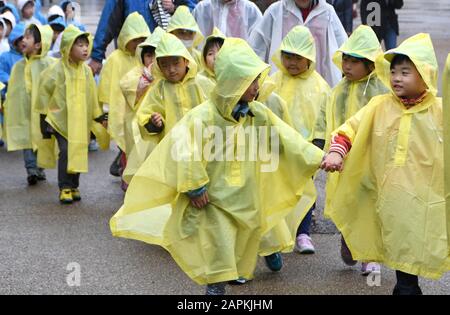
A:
{"points": [[134, 31], [68, 102], [205, 197], [178, 91], [356, 58], [389, 200], [446, 105], [135, 84], [305, 92], [21, 122], [183, 25]]}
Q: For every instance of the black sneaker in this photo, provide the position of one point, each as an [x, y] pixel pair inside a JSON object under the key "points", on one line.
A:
{"points": [[41, 174], [32, 179], [215, 289], [346, 255], [114, 169]]}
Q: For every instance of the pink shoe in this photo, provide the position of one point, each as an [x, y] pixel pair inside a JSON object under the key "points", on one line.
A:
{"points": [[304, 244], [370, 268]]}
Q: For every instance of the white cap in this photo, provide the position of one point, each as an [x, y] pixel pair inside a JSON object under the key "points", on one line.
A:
{"points": [[21, 3], [10, 17], [55, 10]]}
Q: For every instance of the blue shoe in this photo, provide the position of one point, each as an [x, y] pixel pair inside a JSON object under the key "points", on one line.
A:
{"points": [[274, 262]]}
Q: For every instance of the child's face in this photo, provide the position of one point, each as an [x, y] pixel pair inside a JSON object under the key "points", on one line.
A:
{"points": [[406, 81], [252, 91], [211, 57], [294, 64], [69, 12], [184, 34], [303, 4], [79, 51], [30, 47], [132, 44], [28, 10], [149, 58], [19, 45], [174, 68], [354, 69]]}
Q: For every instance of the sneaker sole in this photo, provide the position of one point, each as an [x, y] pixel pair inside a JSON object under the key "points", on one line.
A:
{"points": [[66, 202]]}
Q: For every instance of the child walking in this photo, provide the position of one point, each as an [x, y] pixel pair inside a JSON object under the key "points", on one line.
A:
{"points": [[68, 103], [21, 121], [208, 210], [389, 199]]}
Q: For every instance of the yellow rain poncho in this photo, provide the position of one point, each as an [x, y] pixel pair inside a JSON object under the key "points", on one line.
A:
{"points": [[21, 122], [247, 197], [183, 19], [2, 86], [172, 100], [389, 200], [70, 107], [276, 104], [350, 96], [206, 72], [138, 148], [307, 92], [446, 105], [117, 65]]}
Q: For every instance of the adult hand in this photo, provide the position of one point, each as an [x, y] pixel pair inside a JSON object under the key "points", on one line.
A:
{"points": [[96, 66], [168, 6]]}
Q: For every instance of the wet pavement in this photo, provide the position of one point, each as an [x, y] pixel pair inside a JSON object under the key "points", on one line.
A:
{"points": [[41, 241]]}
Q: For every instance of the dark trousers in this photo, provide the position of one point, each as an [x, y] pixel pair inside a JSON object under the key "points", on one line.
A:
{"points": [[305, 225], [406, 284], [65, 180]]}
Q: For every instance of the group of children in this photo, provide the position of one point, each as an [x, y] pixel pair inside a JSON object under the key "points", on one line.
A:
{"points": [[218, 156]]}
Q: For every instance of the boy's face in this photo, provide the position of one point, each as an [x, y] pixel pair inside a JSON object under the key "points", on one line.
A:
{"points": [[252, 92], [303, 4], [80, 51], [294, 64], [30, 47], [406, 81], [28, 10], [354, 69], [211, 56], [186, 36], [149, 58], [19, 45], [132, 44], [174, 68]]}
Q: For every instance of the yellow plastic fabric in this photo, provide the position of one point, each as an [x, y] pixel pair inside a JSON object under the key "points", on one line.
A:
{"points": [[446, 105], [205, 70], [71, 107], [172, 100], [305, 93], [137, 148], [276, 104], [389, 200], [221, 241], [21, 121], [119, 63], [350, 96], [2, 86], [183, 19]]}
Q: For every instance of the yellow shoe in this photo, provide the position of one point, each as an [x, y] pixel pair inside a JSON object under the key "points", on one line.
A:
{"points": [[76, 194], [65, 196]]}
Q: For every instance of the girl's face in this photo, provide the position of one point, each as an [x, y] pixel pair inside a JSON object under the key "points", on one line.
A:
{"points": [[406, 81], [70, 13], [294, 64], [149, 58], [28, 10], [211, 57], [354, 69], [252, 92]]}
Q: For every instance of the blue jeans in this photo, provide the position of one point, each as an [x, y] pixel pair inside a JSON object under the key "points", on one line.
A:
{"points": [[306, 223], [30, 159], [390, 38]]}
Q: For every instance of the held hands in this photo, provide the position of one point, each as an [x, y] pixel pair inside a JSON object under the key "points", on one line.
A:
{"points": [[332, 162], [157, 120], [200, 201]]}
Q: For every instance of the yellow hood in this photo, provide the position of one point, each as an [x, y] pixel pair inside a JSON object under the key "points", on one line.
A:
{"points": [[46, 38], [170, 45], [151, 41], [70, 34], [134, 27], [183, 19], [363, 43], [298, 41], [215, 34], [236, 67], [420, 50]]}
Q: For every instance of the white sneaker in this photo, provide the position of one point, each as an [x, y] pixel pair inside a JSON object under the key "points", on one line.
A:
{"points": [[304, 244]]}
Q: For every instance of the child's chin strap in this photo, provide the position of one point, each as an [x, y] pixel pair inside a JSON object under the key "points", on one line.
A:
{"points": [[367, 83]]}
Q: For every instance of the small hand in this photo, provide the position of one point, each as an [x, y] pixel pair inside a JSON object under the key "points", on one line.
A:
{"points": [[200, 201], [157, 120], [332, 162]]}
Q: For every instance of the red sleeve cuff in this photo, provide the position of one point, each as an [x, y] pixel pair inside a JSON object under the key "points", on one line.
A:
{"points": [[340, 144]]}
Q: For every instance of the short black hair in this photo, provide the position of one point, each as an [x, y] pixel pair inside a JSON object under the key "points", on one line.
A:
{"points": [[34, 31], [53, 17], [214, 41], [147, 50], [84, 38], [400, 59], [57, 28], [65, 4], [367, 63]]}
